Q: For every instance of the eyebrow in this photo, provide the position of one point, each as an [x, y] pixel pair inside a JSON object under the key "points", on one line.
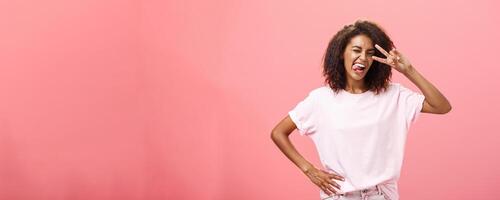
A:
{"points": [[362, 48]]}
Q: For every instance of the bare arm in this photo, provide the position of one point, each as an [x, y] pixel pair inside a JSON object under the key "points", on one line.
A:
{"points": [[434, 102], [322, 179], [280, 135]]}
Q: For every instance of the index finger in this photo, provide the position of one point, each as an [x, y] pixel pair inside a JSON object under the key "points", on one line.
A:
{"points": [[382, 50], [335, 176]]}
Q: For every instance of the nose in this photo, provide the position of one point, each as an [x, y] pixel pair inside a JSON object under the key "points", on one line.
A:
{"points": [[363, 57]]}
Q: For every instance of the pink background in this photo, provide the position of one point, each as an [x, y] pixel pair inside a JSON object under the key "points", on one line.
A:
{"points": [[149, 99]]}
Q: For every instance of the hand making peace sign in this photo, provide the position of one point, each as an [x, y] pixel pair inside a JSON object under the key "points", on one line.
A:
{"points": [[394, 58]]}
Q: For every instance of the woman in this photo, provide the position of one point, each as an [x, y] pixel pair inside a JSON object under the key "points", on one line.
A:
{"points": [[359, 121]]}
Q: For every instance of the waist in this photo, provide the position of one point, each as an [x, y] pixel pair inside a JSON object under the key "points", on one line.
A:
{"points": [[364, 192], [371, 191]]}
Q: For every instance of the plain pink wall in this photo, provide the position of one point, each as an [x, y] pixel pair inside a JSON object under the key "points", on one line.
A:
{"points": [[146, 99], [71, 110]]}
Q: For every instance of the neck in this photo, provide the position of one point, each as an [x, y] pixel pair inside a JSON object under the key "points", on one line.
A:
{"points": [[355, 86]]}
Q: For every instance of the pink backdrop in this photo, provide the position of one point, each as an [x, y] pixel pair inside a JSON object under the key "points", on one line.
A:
{"points": [[149, 99]]}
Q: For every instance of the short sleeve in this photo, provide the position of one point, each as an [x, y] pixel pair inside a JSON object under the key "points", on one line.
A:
{"points": [[303, 115], [411, 102]]}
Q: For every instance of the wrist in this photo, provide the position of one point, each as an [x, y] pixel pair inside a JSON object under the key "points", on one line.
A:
{"points": [[306, 168], [410, 71]]}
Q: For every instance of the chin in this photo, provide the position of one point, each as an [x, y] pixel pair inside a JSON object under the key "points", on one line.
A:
{"points": [[357, 77]]}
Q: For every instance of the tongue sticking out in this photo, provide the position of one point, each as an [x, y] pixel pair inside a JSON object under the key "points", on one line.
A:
{"points": [[358, 67]]}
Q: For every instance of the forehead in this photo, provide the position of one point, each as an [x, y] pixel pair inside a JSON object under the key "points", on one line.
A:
{"points": [[361, 41]]}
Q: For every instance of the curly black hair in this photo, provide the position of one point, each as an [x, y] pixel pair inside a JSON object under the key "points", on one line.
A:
{"points": [[378, 76]]}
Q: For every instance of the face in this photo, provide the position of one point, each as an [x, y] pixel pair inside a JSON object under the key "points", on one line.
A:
{"points": [[358, 57]]}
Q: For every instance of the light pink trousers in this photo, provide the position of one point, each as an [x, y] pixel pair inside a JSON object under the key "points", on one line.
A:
{"points": [[373, 193]]}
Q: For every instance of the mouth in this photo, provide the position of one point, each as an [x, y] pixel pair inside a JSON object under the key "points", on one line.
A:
{"points": [[358, 68]]}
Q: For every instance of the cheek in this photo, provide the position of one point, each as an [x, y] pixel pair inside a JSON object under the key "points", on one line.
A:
{"points": [[347, 60], [346, 66]]}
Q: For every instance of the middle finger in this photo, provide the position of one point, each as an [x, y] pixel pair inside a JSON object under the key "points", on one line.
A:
{"points": [[334, 184], [330, 189], [382, 50], [393, 52], [335, 176]]}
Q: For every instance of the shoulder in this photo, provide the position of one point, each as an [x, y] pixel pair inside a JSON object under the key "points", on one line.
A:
{"points": [[317, 94], [394, 88], [404, 92], [400, 88], [321, 91], [391, 90]]}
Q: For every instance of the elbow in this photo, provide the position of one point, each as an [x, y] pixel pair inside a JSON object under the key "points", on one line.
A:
{"points": [[446, 109], [276, 135], [449, 108]]}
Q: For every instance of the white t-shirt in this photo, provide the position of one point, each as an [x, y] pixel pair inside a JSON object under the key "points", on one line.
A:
{"points": [[360, 136]]}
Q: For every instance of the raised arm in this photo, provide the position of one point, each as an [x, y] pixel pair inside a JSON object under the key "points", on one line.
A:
{"points": [[435, 102]]}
